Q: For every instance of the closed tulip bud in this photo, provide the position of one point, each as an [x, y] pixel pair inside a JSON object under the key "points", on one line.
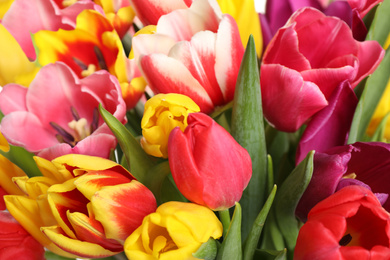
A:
{"points": [[208, 166]]}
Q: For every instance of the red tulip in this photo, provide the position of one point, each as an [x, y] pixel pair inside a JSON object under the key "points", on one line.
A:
{"points": [[305, 62], [209, 167], [15, 242], [350, 224]]}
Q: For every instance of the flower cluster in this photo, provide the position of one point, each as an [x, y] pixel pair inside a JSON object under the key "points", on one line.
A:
{"points": [[194, 129]]}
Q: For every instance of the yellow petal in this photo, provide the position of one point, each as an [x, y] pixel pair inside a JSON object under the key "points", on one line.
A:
{"points": [[4, 146], [49, 170], [14, 64], [382, 109], [73, 246], [4, 6], [84, 162], [8, 170]]}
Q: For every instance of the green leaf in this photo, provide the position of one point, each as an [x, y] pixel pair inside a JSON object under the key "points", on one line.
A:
{"points": [[207, 251], [372, 93], [169, 190], [139, 162], [254, 235], [51, 256], [288, 197], [248, 129], [380, 29], [23, 159], [271, 254], [231, 246]]}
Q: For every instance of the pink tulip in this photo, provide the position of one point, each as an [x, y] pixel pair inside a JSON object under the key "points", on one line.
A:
{"points": [[363, 6], [209, 167], [58, 113], [195, 52], [27, 17], [305, 62], [15, 242], [150, 11]]}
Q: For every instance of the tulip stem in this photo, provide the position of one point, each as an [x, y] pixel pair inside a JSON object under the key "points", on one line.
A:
{"points": [[224, 216]]}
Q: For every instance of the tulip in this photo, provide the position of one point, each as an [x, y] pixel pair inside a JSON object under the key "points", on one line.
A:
{"points": [[361, 164], [306, 61], [162, 113], [174, 231], [22, 19], [363, 6], [191, 54], [350, 224], [4, 146], [58, 113], [85, 206], [92, 45], [15, 242], [208, 166]]}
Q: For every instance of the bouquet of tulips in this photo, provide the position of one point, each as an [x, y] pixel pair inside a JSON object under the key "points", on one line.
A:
{"points": [[194, 129]]}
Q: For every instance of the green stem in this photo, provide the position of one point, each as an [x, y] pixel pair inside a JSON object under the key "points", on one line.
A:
{"points": [[224, 216]]}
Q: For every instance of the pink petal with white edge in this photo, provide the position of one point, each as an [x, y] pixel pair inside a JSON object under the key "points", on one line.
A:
{"points": [[167, 75], [99, 145], [183, 24], [13, 98], [327, 80], [150, 11], [229, 52], [198, 56], [74, 246], [288, 100], [24, 129], [370, 55], [144, 44], [121, 208]]}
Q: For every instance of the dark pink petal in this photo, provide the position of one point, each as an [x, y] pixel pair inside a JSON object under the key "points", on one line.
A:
{"points": [[363, 6], [24, 129], [284, 50], [330, 126], [370, 54], [288, 100], [167, 75], [229, 52], [13, 98]]}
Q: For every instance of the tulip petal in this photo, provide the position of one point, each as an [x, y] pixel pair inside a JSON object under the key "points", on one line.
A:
{"points": [[288, 94], [228, 55], [4, 146], [73, 246], [13, 98], [121, 208], [144, 44], [8, 170], [167, 75]]}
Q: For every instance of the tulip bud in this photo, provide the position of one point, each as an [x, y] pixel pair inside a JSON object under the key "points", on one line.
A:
{"points": [[208, 166]]}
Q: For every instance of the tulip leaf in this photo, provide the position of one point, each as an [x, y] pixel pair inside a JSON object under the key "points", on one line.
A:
{"points": [[372, 93], [247, 127], [207, 251], [254, 235], [271, 254], [136, 158], [52, 256], [231, 246], [288, 197], [380, 29], [23, 159]]}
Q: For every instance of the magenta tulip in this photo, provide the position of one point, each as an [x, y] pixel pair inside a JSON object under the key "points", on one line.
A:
{"points": [[58, 113], [350, 224], [305, 62], [362, 164], [208, 166]]}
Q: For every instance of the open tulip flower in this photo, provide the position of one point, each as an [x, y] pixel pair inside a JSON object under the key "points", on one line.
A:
{"points": [[51, 119], [174, 231], [306, 61], [193, 155], [350, 224], [191, 54], [85, 206], [362, 164]]}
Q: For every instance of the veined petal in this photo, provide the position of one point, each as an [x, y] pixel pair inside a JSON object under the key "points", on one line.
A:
{"points": [[27, 212], [74, 246], [229, 52], [93, 181], [90, 230], [8, 170], [121, 208], [167, 75], [63, 198]]}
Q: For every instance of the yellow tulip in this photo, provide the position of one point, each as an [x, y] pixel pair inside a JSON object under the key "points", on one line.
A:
{"points": [[162, 114], [82, 206], [248, 22], [175, 231]]}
